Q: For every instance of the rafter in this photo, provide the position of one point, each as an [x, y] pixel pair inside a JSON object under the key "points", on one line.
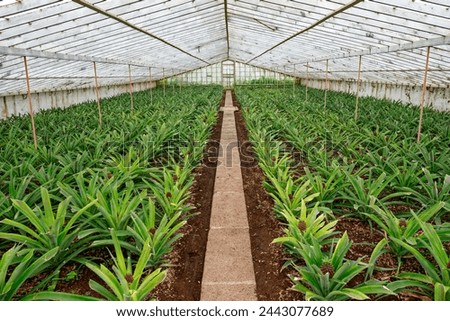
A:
{"points": [[225, 5], [60, 56], [320, 21], [127, 23], [439, 41]]}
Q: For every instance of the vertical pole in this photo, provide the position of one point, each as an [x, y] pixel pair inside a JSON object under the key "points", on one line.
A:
{"points": [[307, 80], [422, 100], [131, 87], [221, 75], [358, 85], [326, 86], [234, 73], [278, 79], [30, 104], [164, 83], [173, 81], [98, 96], [293, 81], [150, 82]]}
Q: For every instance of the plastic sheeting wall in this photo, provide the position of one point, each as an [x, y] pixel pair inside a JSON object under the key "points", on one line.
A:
{"points": [[18, 104], [436, 97]]}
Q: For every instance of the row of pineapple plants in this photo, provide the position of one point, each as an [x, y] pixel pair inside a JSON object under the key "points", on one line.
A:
{"points": [[121, 187], [321, 164]]}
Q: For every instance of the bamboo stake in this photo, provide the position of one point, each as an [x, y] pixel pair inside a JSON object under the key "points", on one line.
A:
{"points": [[164, 83], [97, 93], [278, 80], [30, 104], [326, 86], [131, 87], [293, 83], [245, 74], [307, 80], [422, 100], [5, 110], [150, 83], [173, 81], [358, 85]]}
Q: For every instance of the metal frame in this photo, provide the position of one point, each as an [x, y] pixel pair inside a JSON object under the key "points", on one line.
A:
{"points": [[61, 37]]}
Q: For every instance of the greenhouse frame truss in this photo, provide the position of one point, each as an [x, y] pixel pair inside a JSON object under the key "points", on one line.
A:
{"points": [[61, 39], [80, 44]]}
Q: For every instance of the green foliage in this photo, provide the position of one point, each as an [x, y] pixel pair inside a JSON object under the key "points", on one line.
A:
{"points": [[16, 266], [326, 275], [361, 191], [84, 180], [436, 280], [431, 191], [305, 228], [400, 229], [45, 229], [125, 282], [369, 168]]}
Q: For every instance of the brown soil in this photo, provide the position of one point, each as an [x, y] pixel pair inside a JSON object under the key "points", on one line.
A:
{"points": [[73, 277], [183, 281], [272, 282]]}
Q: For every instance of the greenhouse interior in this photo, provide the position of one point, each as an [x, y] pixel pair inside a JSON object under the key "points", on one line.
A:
{"points": [[225, 150]]}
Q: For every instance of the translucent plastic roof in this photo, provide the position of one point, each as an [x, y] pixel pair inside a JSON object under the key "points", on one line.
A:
{"points": [[63, 38]]}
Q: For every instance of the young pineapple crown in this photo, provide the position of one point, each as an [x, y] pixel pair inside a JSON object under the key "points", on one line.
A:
{"points": [[302, 226], [327, 268], [129, 278], [402, 223]]}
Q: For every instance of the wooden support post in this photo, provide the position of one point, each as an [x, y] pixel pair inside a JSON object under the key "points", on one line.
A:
{"points": [[293, 82], [164, 82], [358, 85], [278, 79], [245, 75], [307, 80], [30, 104], [5, 108], [131, 87], [97, 93], [326, 86], [150, 83], [424, 90], [173, 81]]}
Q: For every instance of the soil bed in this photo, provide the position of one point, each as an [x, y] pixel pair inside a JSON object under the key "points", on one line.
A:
{"points": [[183, 281], [272, 282]]}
